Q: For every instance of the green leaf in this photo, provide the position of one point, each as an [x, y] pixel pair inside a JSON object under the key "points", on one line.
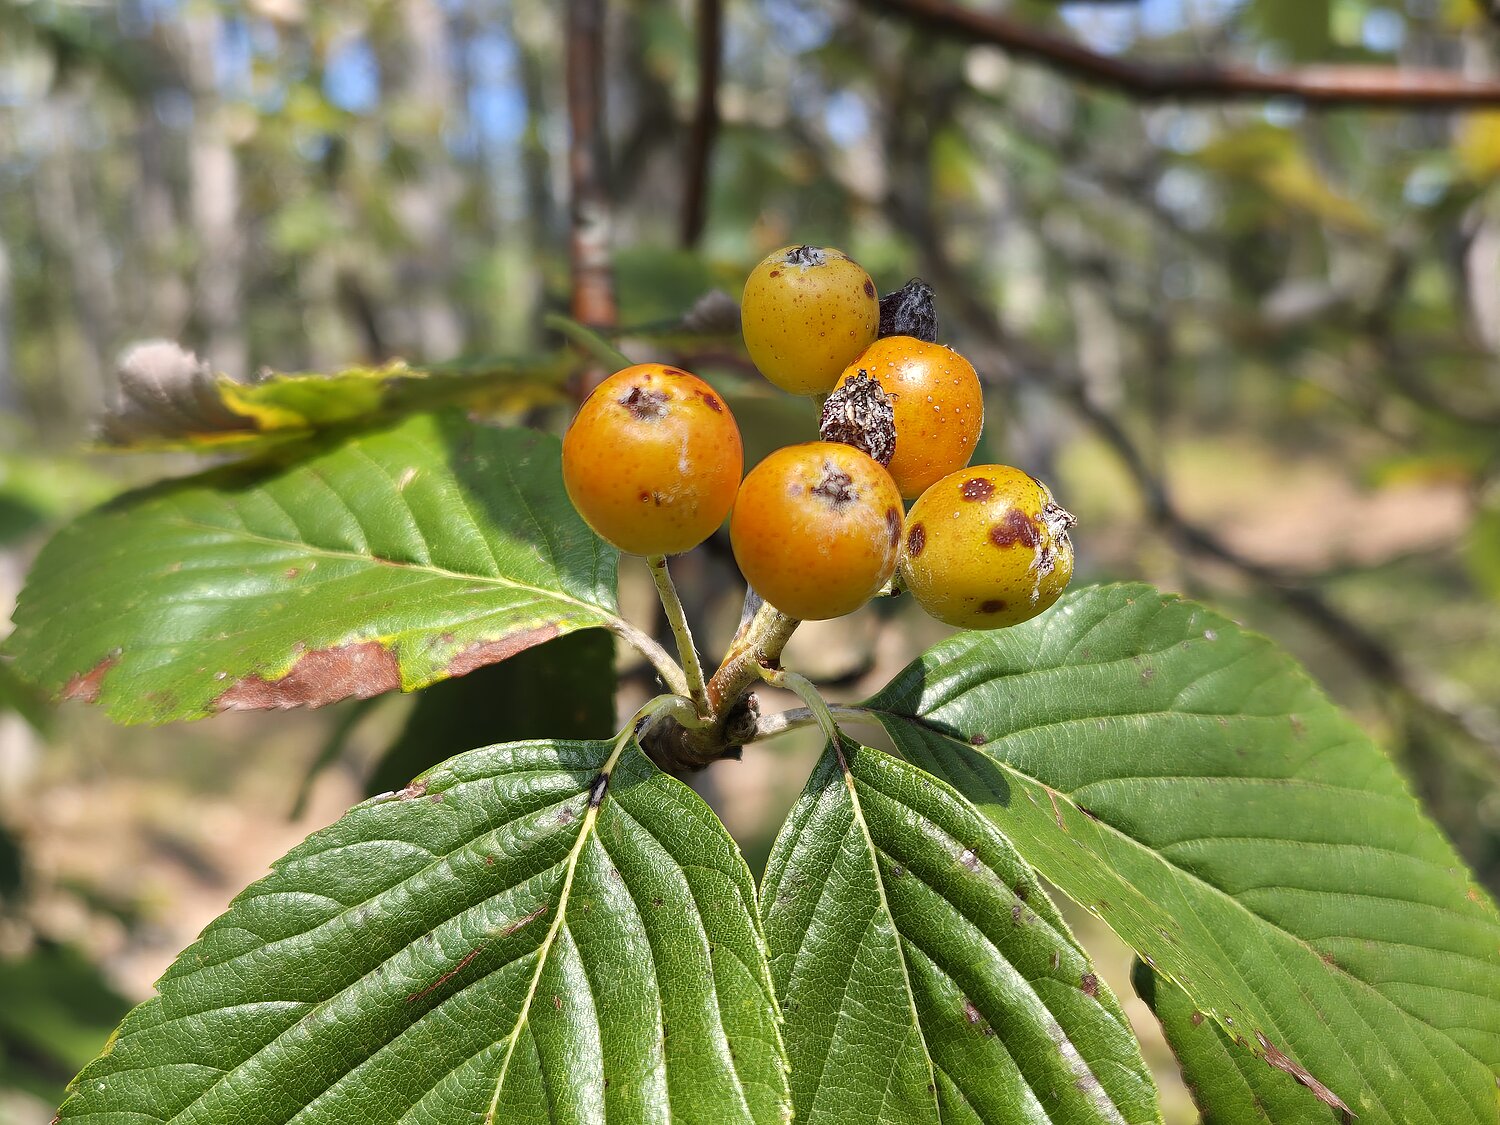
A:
{"points": [[1228, 1083], [390, 559], [170, 399], [525, 934], [18, 696], [562, 689], [57, 1007], [924, 973], [1187, 782]]}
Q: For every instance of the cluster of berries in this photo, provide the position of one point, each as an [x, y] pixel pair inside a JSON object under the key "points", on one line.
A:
{"points": [[653, 461]]}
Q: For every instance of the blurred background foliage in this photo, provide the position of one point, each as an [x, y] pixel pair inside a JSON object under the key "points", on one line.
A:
{"points": [[1253, 345]]}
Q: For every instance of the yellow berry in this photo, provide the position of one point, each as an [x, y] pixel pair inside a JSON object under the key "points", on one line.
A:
{"points": [[652, 460], [986, 547], [816, 529], [938, 405], [807, 311]]}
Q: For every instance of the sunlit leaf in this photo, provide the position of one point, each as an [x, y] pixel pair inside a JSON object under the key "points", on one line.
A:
{"points": [[387, 560], [1184, 780]]}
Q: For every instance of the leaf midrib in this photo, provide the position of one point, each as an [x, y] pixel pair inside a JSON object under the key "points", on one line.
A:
{"points": [[499, 580], [1338, 970]]}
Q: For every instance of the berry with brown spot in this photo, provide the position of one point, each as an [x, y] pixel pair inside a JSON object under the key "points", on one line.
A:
{"points": [[816, 529], [937, 402], [987, 547], [653, 459], [806, 312]]}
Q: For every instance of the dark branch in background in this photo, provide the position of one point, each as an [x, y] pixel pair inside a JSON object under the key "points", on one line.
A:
{"points": [[1321, 86], [705, 121], [1016, 362], [593, 301]]}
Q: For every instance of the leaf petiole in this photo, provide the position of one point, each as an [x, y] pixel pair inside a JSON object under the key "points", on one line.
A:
{"points": [[589, 340]]}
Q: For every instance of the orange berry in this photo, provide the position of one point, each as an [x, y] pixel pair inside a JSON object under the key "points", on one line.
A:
{"points": [[938, 403], [653, 459], [806, 312], [986, 547], [816, 529]]}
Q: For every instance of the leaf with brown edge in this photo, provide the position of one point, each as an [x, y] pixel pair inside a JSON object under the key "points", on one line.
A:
{"points": [[382, 561], [1228, 1083]]}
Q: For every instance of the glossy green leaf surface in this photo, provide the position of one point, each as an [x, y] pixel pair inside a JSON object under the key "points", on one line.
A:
{"points": [[515, 938], [1229, 1084], [385, 560], [924, 974], [1187, 782]]}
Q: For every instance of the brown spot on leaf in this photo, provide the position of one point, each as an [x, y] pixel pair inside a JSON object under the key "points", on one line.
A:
{"points": [[1197, 1018], [1089, 984], [416, 789], [492, 652], [971, 1013], [1015, 528], [446, 977], [978, 739], [524, 921], [916, 539], [85, 686], [1291, 1066], [975, 489], [320, 677], [969, 859], [994, 605], [292, 572]]}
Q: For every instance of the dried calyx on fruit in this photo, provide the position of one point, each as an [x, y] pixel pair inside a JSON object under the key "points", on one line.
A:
{"points": [[910, 311], [860, 414]]}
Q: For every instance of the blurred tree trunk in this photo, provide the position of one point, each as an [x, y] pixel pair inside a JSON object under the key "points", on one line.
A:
{"points": [[424, 202], [163, 301], [70, 229], [214, 200]]}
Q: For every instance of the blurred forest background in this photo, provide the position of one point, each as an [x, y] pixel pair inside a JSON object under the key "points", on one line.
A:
{"points": [[1252, 339]]}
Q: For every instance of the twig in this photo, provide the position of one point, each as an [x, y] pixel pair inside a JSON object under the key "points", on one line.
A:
{"points": [[677, 619], [1317, 86], [587, 339], [593, 300], [705, 121]]}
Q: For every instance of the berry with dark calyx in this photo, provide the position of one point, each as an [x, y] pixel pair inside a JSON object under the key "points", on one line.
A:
{"points": [[938, 405], [653, 459], [806, 313], [859, 413], [986, 547], [910, 311], [816, 529]]}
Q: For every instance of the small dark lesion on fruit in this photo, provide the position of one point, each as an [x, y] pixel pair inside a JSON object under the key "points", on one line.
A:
{"points": [[644, 405], [976, 489], [712, 403], [1016, 528], [916, 539], [836, 486], [993, 605], [893, 525]]}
